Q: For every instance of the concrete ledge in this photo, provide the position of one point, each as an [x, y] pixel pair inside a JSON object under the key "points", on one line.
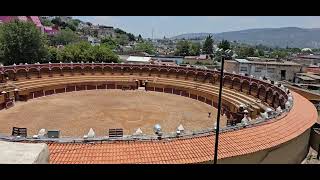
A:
{"points": [[23, 153]]}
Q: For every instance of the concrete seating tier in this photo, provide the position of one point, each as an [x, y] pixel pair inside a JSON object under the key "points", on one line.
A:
{"points": [[214, 89], [210, 87], [233, 98]]}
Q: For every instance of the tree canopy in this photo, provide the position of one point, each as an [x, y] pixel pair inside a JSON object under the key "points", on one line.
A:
{"points": [[109, 42], [145, 47], [84, 51], [187, 48], [194, 49], [21, 42], [64, 37], [208, 45], [224, 44], [182, 48]]}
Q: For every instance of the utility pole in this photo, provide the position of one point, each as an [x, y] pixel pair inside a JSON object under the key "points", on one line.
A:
{"points": [[219, 111], [152, 34]]}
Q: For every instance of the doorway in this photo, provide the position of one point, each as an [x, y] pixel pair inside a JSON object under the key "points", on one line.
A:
{"points": [[283, 74]]}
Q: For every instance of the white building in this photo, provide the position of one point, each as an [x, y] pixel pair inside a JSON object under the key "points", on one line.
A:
{"points": [[138, 59], [275, 70]]}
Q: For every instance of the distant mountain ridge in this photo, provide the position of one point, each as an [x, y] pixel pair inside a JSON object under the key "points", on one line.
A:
{"points": [[273, 37]]}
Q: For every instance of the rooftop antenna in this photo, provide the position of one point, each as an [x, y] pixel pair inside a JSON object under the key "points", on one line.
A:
{"points": [[152, 33]]}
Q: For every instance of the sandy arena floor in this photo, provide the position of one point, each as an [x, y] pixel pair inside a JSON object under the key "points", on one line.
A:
{"points": [[76, 112]]}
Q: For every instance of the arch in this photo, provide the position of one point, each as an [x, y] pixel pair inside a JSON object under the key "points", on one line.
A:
{"points": [[172, 73], [153, 71], [282, 101], [68, 71], [254, 89], [44, 71], [21, 73], [116, 70], [245, 86], [33, 72], [127, 70], [276, 99], [227, 81], [190, 74], [262, 92], [236, 84], [165, 70], [269, 95], [55, 71]]}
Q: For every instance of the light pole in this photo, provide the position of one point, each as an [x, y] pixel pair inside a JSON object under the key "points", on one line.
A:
{"points": [[219, 106]]}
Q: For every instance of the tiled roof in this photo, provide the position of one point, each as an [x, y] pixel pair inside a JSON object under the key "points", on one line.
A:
{"points": [[193, 150]]}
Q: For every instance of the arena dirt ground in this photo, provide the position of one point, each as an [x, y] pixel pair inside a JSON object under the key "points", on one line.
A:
{"points": [[75, 113]]}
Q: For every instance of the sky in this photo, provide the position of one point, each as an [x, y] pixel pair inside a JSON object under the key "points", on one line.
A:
{"points": [[170, 26]]}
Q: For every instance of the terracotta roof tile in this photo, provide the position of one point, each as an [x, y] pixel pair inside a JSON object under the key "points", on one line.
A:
{"points": [[193, 150]]}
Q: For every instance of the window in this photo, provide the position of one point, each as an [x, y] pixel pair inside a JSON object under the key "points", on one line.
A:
{"points": [[258, 69], [243, 69], [270, 70]]}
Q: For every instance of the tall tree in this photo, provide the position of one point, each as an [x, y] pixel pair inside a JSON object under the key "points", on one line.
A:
{"points": [[194, 49], [122, 39], [21, 42], [83, 51], [145, 47], [208, 45], [131, 37], [183, 47], [260, 52], [140, 37], [224, 44], [110, 42], [64, 37]]}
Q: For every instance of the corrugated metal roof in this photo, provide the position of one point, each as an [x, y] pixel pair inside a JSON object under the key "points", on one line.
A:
{"points": [[138, 59], [241, 60]]}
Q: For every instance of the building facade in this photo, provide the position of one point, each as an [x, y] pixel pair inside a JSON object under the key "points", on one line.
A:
{"points": [[276, 71], [307, 60], [33, 19]]}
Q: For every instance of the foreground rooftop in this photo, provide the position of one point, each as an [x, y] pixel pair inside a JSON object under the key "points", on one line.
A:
{"points": [[192, 150]]}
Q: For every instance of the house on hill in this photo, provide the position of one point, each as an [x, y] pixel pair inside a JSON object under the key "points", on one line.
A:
{"points": [[34, 19]]}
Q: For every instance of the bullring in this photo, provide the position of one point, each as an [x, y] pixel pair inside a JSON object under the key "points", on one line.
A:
{"points": [[280, 138]]}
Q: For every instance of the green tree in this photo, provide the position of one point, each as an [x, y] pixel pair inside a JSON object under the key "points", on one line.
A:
{"points": [[109, 42], [194, 49], [182, 48], [261, 52], [119, 31], [57, 21], [245, 51], [250, 52], [71, 26], [21, 42], [53, 55], [83, 51], [140, 37], [103, 54], [224, 44], [75, 22], [64, 37], [131, 37], [46, 22], [208, 45], [122, 39], [145, 47], [279, 54]]}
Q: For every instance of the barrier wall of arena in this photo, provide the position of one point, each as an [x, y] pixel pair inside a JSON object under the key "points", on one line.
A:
{"points": [[261, 89], [290, 152]]}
